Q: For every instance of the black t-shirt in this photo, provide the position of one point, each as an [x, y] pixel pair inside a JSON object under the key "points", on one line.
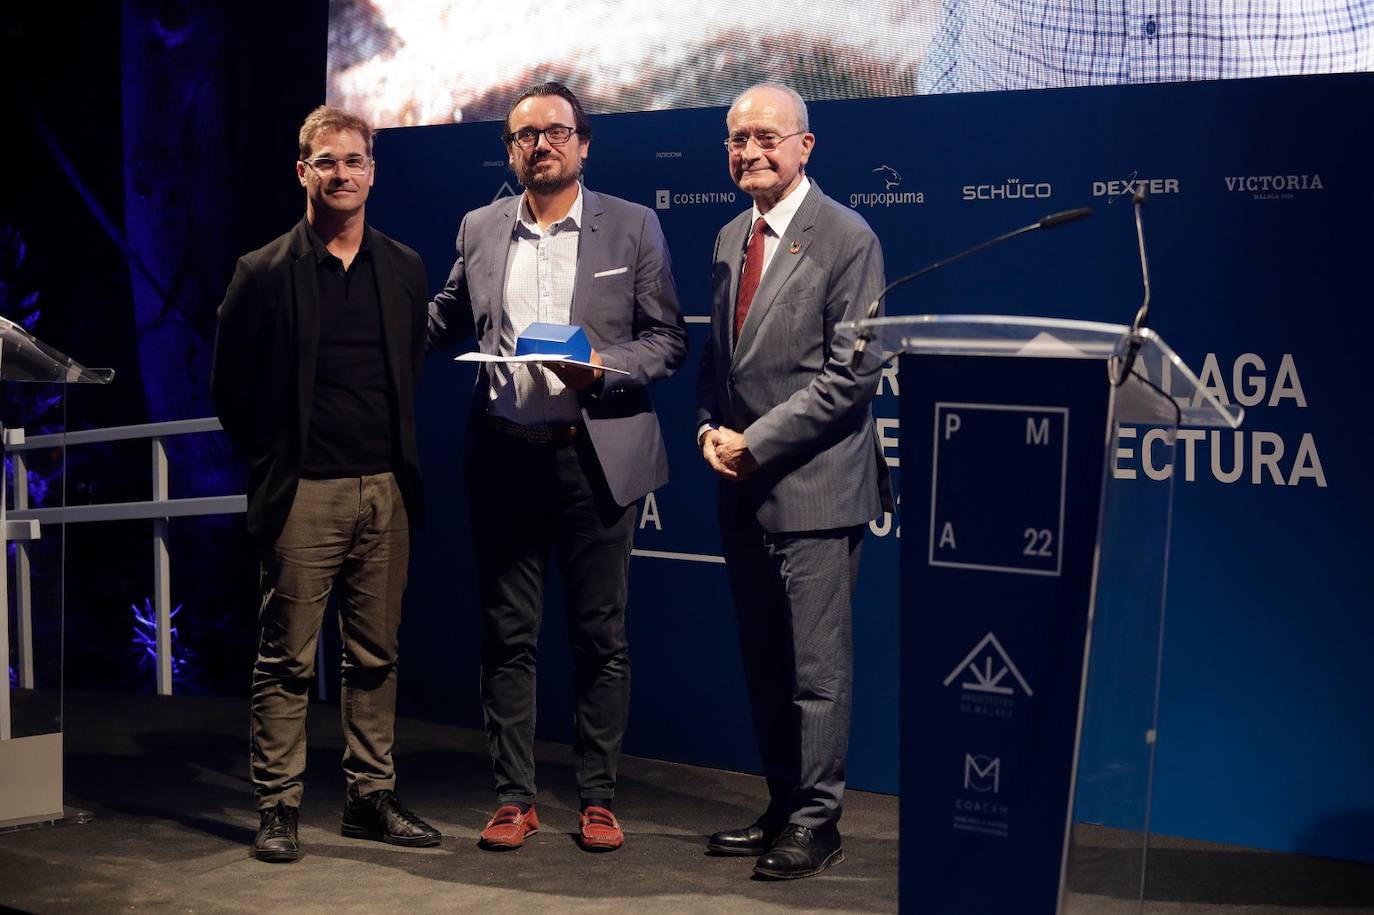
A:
{"points": [[350, 417]]}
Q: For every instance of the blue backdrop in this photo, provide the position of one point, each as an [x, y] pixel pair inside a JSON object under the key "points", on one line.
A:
{"points": [[1259, 237]]}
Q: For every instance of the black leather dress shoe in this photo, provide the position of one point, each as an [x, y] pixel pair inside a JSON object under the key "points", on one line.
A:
{"points": [[277, 840], [381, 816], [801, 852], [754, 839]]}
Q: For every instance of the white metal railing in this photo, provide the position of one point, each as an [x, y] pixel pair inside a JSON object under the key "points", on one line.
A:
{"points": [[24, 524]]}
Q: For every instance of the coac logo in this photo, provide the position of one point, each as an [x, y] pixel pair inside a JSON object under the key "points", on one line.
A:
{"points": [[982, 773]]}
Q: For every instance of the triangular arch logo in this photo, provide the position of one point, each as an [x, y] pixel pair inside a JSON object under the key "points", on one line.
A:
{"points": [[505, 191], [989, 669]]}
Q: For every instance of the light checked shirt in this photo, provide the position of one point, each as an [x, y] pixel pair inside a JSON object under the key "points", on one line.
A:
{"points": [[541, 270], [1039, 44]]}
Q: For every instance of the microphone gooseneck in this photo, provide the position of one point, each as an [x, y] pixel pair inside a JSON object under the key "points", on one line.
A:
{"points": [[1047, 222], [1142, 315]]}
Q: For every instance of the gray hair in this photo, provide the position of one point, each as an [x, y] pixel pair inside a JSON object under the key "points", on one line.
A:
{"points": [[798, 103]]}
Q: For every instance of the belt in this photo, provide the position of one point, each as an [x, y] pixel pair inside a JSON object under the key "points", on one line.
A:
{"points": [[535, 435]]}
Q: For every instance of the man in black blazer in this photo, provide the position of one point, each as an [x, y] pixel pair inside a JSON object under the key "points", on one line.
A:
{"points": [[320, 343]]}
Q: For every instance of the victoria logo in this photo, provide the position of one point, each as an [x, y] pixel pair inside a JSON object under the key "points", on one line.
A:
{"points": [[982, 773], [986, 668], [1273, 187], [890, 195]]}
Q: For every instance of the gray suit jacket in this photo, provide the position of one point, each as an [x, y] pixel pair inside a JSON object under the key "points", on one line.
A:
{"points": [[787, 385], [631, 318]]}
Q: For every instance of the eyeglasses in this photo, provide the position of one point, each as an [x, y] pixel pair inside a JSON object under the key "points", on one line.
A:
{"points": [[528, 137], [354, 165], [765, 140]]}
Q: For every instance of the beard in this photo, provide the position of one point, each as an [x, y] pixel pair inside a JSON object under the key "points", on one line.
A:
{"points": [[532, 179]]}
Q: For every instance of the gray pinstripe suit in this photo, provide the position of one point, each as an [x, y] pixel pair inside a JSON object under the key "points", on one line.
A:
{"points": [[792, 531]]}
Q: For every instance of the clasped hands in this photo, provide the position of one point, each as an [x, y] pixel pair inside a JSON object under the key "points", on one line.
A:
{"points": [[727, 453]]}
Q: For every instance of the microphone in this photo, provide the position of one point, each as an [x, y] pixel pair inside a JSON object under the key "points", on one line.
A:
{"points": [[1048, 222], [1133, 341]]}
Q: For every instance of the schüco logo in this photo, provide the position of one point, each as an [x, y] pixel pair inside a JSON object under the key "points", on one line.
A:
{"points": [[1010, 189], [665, 199], [1273, 187], [890, 195]]}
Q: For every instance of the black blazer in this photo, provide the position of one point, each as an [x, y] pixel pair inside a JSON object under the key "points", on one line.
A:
{"points": [[263, 378]]}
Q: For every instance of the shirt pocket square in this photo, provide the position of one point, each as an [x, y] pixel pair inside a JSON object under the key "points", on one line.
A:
{"points": [[614, 271]]}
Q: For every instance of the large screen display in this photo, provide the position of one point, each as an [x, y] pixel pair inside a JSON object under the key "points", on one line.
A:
{"points": [[413, 62]]}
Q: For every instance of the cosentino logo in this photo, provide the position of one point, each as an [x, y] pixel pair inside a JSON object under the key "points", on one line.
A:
{"points": [[891, 193], [1273, 187], [1010, 189], [1126, 187], [665, 199]]}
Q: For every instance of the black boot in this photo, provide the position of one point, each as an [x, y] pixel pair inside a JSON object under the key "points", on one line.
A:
{"points": [[277, 840], [381, 816]]}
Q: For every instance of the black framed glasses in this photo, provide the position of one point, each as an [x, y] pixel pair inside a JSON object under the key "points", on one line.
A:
{"points": [[353, 165], [528, 137], [764, 139]]}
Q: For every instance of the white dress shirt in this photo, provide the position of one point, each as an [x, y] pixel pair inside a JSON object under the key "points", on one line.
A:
{"points": [[776, 222], [541, 271]]}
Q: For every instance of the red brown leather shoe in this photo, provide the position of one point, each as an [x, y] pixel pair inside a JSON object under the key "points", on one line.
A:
{"points": [[508, 828], [600, 830]]}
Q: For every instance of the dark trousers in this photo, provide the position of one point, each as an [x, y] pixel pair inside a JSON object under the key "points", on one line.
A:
{"points": [[353, 531], [792, 604], [529, 500]]}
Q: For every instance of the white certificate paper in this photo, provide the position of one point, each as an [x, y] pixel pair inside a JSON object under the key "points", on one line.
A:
{"points": [[537, 358]]}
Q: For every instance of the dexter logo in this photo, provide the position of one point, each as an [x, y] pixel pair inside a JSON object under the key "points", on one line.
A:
{"points": [[982, 773]]}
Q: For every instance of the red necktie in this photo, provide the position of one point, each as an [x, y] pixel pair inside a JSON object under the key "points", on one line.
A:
{"points": [[749, 280]]}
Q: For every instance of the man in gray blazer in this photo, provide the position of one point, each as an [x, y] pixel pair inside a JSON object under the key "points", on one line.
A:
{"points": [[784, 421], [559, 455]]}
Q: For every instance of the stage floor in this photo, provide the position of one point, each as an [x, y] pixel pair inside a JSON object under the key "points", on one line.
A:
{"points": [[166, 781]]}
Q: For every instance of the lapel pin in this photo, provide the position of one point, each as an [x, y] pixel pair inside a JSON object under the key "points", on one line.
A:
{"points": [[794, 248]]}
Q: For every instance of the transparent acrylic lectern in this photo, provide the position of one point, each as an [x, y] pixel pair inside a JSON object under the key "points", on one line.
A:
{"points": [[31, 626], [1037, 477]]}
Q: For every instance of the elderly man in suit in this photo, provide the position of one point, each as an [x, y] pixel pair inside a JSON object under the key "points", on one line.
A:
{"points": [[784, 420], [558, 454], [320, 342]]}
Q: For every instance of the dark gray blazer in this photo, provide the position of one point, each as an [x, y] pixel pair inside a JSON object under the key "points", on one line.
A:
{"points": [[787, 385], [631, 318]]}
